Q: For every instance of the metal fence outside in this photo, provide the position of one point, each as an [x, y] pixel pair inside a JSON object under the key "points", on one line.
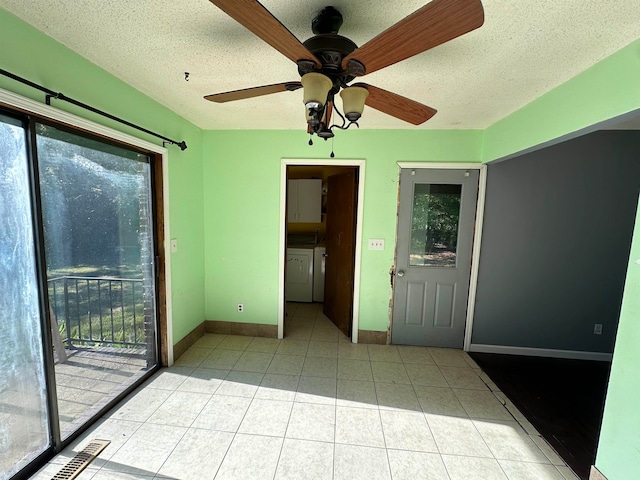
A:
{"points": [[99, 311]]}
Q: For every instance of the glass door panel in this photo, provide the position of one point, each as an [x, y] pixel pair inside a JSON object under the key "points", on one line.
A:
{"points": [[24, 424], [98, 235], [434, 225]]}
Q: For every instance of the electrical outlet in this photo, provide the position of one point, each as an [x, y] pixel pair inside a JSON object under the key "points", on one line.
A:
{"points": [[240, 308], [376, 244], [597, 329]]}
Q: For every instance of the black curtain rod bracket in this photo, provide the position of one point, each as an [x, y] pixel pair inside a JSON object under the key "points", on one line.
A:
{"points": [[60, 96]]}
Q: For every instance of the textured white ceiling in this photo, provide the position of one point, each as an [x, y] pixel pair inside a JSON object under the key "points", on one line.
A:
{"points": [[524, 49]]}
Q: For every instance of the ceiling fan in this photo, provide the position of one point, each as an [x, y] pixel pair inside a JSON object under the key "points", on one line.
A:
{"points": [[328, 62]]}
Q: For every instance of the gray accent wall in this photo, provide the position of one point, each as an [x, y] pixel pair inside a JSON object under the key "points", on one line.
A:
{"points": [[556, 238]]}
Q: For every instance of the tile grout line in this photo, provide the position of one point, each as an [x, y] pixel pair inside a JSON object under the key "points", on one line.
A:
{"points": [[235, 433], [284, 437], [425, 416], [414, 387], [192, 422], [474, 426], [384, 440], [504, 404], [157, 472]]}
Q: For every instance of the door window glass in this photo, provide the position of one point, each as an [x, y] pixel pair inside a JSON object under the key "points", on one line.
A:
{"points": [[434, 225]]}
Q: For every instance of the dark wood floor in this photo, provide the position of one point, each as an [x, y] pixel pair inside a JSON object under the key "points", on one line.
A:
{"points": [[563, 399]]}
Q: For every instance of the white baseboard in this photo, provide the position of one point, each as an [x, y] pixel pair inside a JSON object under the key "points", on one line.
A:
{"points": [[540, 352]]}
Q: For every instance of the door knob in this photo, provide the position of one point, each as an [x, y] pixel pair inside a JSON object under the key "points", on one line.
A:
{"points": [[400, 273]]}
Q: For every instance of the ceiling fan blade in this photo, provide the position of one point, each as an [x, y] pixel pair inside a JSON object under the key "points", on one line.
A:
{"points": [[253, 92], [436, 23], [258, 20], [396, 105]]}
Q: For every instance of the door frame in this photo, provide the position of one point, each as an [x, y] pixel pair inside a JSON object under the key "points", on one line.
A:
{"points": [[159, 161], [165, 322], [282, 242], [477, 235]]}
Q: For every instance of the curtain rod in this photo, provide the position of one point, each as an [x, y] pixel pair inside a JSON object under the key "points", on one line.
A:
{"points": [[60, 96]]}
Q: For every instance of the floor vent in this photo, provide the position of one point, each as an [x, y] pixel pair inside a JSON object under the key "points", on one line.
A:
{"points": [[82, 459]]}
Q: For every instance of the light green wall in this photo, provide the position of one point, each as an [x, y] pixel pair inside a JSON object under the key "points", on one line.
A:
{"points": [[242, 210], [31, 54], [231, 179], [606, 90], [242, 171], [618, 455]]}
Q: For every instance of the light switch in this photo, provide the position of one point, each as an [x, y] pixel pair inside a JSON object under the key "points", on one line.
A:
{"points": [[376, 244], [174, 245]]}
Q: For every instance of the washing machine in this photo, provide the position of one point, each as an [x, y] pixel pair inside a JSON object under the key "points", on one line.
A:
{"points": [[299, 283]]}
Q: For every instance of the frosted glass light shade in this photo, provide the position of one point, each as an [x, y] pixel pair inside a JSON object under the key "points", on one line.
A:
{"points": [[316, 87], [353, 99]]}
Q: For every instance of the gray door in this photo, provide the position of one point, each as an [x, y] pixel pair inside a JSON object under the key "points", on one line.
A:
{"points": [[433, 260]]}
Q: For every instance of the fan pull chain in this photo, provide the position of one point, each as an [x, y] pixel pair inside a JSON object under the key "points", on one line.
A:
{"points": [[311, 139], [332, 154]]}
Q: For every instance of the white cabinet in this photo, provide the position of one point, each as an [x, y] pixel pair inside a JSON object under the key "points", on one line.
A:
{"points": [[305, 200]]}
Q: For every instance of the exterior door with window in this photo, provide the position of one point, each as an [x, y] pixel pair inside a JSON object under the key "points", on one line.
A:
{"points": [[436, 221]]}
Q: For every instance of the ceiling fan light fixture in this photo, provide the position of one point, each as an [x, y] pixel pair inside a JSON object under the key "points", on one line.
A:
{"points": [[328, 62], [311, 116], [316, 88], [353, 99]]}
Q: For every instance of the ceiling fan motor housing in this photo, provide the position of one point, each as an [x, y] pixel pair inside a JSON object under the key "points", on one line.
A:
{"points": [[330, 49]]}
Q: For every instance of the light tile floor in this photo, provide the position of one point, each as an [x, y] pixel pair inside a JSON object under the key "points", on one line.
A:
{"points": [[90, 378], [315, 406]]}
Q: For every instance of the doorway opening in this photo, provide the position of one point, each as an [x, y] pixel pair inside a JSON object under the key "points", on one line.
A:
{"points": [[320, 247]]}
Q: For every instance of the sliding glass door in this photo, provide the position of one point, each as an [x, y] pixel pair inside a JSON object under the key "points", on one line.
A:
{"points": [[24, 419], [78, 314], [97, 221]]}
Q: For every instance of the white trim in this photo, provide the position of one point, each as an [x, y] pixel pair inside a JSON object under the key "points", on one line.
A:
{"points": [[442, 165], [18, 101], [167, 256], [541, 352], [475, 257], [28, 105], [477, 236], [282, 254], [282, 240]]}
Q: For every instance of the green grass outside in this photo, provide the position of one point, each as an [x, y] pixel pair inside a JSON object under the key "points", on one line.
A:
{"points": [[99, 309]]}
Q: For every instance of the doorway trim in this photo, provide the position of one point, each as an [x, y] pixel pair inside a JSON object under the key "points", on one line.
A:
{"points": [[360, 165], [477, 235]]}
